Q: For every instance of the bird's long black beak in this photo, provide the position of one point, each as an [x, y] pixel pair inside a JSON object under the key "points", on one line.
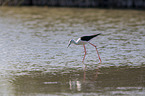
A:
{"points": [[68, 45]]}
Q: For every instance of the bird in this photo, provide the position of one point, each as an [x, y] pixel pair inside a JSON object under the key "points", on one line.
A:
{"points": [[85, 40]]}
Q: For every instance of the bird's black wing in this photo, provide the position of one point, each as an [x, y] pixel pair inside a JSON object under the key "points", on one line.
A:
{"points": [[87, 38]]}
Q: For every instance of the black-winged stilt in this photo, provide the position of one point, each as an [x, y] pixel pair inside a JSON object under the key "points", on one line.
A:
{"points": [[84, 40]]}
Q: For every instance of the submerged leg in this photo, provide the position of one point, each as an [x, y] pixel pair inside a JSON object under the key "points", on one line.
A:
{"points": [[84, 54], [97, 51]]}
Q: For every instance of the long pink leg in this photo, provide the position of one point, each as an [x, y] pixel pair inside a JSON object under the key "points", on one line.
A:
{"points": [[84, 54], [96, 50]]}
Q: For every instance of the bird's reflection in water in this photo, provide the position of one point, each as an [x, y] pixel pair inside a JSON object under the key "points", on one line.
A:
{"points": [[77, 85]]}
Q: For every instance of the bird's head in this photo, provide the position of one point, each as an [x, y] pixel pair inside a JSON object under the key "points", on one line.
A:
{"points": [[70, 41]]}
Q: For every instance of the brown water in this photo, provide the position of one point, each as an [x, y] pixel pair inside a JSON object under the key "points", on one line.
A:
{"points": [[35, 60]]}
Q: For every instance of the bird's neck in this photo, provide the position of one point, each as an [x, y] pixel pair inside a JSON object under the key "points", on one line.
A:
{"points": [[73, 41]]}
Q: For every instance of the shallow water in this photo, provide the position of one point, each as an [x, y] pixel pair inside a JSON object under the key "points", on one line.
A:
{"points": [[35, 59]]}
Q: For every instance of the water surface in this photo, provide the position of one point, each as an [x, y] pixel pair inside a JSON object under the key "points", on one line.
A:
{"points": [[35, 59]]}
